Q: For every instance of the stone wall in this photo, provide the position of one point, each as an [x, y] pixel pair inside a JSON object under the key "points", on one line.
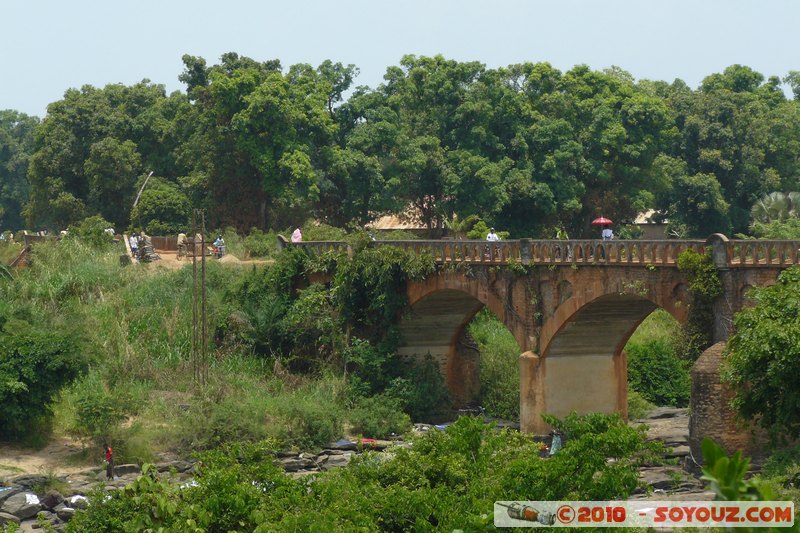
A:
{"points": [[711, 412]]}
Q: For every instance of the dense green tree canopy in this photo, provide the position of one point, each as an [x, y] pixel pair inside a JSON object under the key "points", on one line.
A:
{"points": [[16, 147], [526, 148]]}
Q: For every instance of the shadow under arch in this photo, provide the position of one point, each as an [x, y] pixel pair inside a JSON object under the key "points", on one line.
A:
{"points": [[436, 323], [582, 366]]}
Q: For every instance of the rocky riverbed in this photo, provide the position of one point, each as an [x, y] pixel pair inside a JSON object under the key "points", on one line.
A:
{"points": [[27, 498]]}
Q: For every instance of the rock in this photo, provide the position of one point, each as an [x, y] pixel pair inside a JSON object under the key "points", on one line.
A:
{"points": [[179, 466], [29, 481], [22, 505], [78, 502], [342, 445], [7, 492], [298, 463], [123, 470], [51, 499], [6, 518], [667, 412], [678, 451], [336, 461], [65, 513]]}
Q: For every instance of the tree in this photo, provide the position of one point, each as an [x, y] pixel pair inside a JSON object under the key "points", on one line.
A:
{"points": [[93, 144], [763, 357], [162, 209], [16, 146], [111, 169]]}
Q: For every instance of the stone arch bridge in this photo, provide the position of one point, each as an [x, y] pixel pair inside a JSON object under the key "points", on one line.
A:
{"points": [[571, 306]]}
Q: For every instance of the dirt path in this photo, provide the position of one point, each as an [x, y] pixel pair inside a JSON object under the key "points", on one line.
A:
{"points": [[170, 260], [58, 457]]}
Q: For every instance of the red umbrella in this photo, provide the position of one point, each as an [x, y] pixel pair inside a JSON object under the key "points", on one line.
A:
{"points": [[602, 221]]}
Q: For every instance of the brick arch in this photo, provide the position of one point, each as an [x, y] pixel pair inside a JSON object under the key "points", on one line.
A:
{"points": [[568, 310], [440, 308], [580, 365], [482, 289]]}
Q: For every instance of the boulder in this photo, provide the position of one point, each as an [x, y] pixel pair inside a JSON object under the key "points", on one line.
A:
{"points": [[290, 464], [29, 481], [335, 461], [7, 492], [51, 499], [78, 502], [65, 513], [6, 518], [123, 470], [22, 505], [179, 466]]}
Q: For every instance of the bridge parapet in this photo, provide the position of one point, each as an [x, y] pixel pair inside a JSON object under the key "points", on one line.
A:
{"points": [[736, 253], [762, 253]]}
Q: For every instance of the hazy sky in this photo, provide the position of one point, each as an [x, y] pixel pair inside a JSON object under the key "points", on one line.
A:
{"points": [[49, 46]]}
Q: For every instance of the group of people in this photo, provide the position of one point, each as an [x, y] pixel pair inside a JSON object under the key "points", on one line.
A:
{"points": [[183, 245]]}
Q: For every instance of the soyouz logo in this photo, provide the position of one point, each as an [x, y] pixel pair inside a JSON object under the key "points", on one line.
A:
{"points": [[643, 513]]}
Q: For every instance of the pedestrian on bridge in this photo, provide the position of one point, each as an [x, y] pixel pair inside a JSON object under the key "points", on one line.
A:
{"points": [[297, 235]]}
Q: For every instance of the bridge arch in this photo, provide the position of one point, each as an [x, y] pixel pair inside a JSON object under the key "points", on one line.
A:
{"points": [[581, 365], [440, 309]]}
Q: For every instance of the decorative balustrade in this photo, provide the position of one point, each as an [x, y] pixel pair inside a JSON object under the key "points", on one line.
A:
{"points": [[739, 253], [754, 253]]}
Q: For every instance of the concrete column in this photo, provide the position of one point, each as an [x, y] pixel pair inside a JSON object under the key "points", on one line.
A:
{"points": [[531, 397]]}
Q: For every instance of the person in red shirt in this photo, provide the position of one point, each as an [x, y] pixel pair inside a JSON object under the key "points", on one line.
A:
{"points": [[109, 458]]}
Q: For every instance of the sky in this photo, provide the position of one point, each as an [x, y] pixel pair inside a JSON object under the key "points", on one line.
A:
{"points": [[49, 46]]}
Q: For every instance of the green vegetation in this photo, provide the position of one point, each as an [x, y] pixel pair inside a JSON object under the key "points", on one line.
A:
{"points": [[526, 148], [656, 373], [447, 480], [763, 356], [499, 368], [705, 286]]}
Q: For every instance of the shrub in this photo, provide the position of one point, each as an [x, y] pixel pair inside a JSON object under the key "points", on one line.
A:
{"points": [[499, 365], [303, 422], [657, 374], [91, 230], [420, 389], [35, 363], [260, 244], [638, 406], [379, 417]]}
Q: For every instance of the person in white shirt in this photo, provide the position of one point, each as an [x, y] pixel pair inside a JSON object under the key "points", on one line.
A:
{"points": [[607, 236], [492, 236]]}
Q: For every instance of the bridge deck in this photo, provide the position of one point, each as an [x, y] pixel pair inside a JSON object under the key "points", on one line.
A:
{"points": [[738, 253]]}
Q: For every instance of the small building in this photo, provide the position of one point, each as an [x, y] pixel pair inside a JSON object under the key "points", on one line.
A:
{"points": [[651, 231]]}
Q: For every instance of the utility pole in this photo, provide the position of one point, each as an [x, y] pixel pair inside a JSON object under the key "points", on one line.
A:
{"points": [[199, 321]]}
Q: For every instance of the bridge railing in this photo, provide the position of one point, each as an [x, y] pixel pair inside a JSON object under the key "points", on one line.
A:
{"points": [[767, 253], [738, 253], [526, 251]]}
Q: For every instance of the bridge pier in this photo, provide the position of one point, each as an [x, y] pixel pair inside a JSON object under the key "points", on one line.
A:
{"points": [[560, 385]]}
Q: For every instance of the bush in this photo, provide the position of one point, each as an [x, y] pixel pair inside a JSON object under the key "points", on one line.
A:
{"points": [[638, 406], [303, 422], [379, 417], [35, 363], [92, 230], [658, 374], [499, 365], [260, 244], [420, 389]]}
